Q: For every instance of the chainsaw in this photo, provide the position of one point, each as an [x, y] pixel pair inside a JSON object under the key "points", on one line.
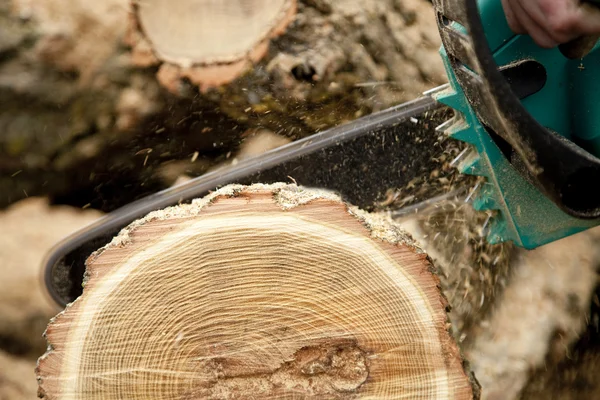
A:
{"points": [[523, 119]]}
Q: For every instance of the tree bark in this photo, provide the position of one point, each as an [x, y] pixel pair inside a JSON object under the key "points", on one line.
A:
{"points": [[263, 292], [84, 115], [570, 372], [17, 377], [25, 307], [517, 315]]}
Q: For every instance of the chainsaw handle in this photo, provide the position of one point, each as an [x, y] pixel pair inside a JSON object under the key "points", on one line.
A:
{"points": [[580, 47]]}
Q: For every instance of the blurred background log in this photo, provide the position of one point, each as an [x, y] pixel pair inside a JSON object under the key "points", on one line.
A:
{"points": [[84, 116]]}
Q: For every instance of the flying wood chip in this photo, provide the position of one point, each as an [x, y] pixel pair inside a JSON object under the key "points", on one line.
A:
{"points": [[210, 42], [256, 292]]}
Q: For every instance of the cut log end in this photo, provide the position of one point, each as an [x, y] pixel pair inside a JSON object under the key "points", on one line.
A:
{"points": [[209, 42], [256, 292]]}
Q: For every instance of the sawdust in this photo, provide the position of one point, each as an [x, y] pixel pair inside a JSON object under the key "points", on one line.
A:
{"points": [[76, 108], [287, 196], [473, 272], [504, 346], [511, 308], [549, 293]]}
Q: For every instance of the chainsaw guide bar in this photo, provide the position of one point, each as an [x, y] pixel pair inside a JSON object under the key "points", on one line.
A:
{"points": [[360, 160]]}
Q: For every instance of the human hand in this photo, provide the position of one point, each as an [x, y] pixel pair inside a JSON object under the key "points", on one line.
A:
{"points": [[552, 22]]}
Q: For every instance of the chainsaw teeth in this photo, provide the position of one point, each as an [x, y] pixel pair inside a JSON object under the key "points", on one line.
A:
{"points": [[453, 99], [485, 197], [471, 165], [457, 128], [497, 230], [518, 210]]}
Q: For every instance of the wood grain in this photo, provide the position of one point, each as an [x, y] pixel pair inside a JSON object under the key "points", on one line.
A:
{"points": [[210, 42], [256, 292]]}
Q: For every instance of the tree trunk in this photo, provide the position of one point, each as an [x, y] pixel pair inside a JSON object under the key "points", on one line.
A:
{"points": [[257, 292], [100, 96]]}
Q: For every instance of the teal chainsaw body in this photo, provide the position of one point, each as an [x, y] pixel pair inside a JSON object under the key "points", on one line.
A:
{"points": [[532, 117]]}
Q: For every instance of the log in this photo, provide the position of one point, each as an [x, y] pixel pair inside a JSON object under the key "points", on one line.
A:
{"points": [[571, 373], [210, 43], [267, 291], [83, 113], [519, 316]]}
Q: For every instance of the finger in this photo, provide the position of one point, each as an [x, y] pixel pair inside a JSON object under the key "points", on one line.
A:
{"points": [[588, 19], [556, 18], [537, 33], [513, 22]]}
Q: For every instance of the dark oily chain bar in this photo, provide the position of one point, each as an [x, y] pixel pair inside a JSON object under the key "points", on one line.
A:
{"points": [[360, 160]]}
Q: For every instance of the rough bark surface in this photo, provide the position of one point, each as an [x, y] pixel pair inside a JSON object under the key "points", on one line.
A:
{"points": [[571, 373], [516, 314], [262, 291], [79, 120], [17, 378], [28, 230]]}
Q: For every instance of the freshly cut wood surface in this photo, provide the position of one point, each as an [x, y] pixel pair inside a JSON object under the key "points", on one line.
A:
{"points": [[209, 31], [211, 42], [256, 292]]}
